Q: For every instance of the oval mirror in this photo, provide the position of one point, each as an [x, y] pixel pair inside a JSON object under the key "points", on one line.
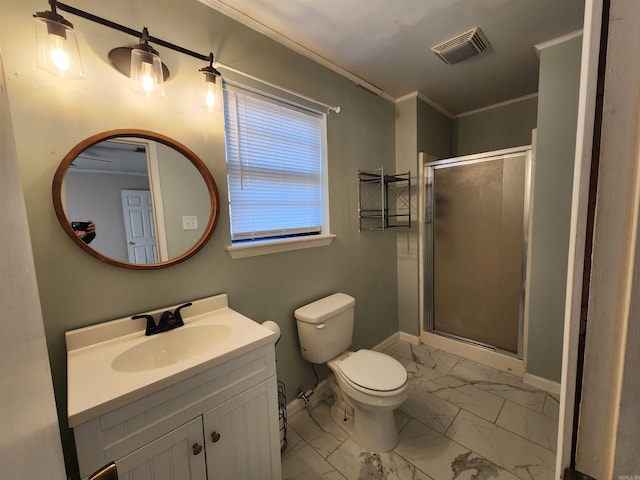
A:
{"points": [[135, 199]]}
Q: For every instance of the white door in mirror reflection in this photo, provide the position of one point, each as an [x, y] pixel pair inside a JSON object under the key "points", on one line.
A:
{"points": [[137, 210]]}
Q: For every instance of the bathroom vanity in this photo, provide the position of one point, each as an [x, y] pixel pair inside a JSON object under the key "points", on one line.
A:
{"points": [[197, 402]]}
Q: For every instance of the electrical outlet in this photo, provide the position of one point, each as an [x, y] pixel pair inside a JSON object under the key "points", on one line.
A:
{"points": [[189, 222]]}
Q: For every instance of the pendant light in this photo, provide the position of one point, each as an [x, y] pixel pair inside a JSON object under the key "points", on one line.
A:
{"points": [[146, 68], [57, 44], [142, 64], [211, 88]]}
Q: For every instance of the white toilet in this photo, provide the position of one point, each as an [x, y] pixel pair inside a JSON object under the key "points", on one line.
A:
{"points": [[368, 386]]}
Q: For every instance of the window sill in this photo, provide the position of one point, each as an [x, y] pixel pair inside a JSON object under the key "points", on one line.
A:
{"points": [[268, 247]]}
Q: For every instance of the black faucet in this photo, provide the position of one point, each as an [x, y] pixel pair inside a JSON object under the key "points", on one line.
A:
{"points": [[168, 320], [152, 329]]}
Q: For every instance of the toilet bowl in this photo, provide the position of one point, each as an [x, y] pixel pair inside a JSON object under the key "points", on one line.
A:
{"points": [[367, 386]]}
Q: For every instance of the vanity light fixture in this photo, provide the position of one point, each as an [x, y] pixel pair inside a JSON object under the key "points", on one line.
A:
{"points": [[211, 88], [57, 44], [143, 65], [139, 62]]}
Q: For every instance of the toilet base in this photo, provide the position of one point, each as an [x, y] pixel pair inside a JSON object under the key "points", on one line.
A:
{"points": [[374, 430], [342, 415]]}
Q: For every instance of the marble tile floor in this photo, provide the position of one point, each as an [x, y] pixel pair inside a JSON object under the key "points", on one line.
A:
{"points": [[461, 421]]}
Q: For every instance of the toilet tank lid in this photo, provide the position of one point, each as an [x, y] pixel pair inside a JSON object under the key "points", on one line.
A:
{"points": [[320, 310]]}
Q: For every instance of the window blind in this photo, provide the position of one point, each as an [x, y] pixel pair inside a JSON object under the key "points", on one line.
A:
{"points": [[274, 166]]}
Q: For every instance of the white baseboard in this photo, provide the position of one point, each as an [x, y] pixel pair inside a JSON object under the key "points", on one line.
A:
{"points": [[542, 383], [407, 337], [386, 343]]}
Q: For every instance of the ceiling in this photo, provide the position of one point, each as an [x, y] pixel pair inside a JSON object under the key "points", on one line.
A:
{"points": [[126, 158], [385, 45]]}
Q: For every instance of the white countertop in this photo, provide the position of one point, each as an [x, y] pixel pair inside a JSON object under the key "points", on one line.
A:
{"points": [[95, 388]]}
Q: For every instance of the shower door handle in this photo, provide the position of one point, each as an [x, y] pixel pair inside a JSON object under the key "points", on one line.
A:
{"points": [[428, 198]]}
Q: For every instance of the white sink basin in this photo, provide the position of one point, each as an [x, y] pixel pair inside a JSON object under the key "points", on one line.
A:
{"points": [[112, 364], [169, 348]]}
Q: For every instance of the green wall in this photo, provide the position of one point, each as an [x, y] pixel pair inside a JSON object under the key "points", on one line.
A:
{"points": [[407, 240], [553, 185], [419, 128], [501, 127], [183, 193], [435, 131], [50, 116]]}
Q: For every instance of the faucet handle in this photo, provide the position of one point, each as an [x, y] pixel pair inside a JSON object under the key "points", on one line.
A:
{"points": [[178, 315], [151, 324], [167, 322]]}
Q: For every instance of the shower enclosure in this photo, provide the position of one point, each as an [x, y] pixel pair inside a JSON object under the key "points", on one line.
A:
{"points": [[476, 215]]}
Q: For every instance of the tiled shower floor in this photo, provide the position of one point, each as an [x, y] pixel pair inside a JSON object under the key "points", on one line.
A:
{"points": [[461, 421]]}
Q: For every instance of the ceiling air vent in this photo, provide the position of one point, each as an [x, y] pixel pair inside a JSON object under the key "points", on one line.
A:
{"points": [[462, 47]]}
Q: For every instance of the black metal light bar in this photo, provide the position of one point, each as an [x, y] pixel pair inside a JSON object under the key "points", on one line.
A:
{"points": [[130, 31], [139, 35]]}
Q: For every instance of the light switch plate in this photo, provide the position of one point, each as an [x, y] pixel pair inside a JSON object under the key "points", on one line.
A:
{"points": [[189, 222]]}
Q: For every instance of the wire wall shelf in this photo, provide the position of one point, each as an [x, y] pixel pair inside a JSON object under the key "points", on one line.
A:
{"points": [[384, 201], [282, 415]]}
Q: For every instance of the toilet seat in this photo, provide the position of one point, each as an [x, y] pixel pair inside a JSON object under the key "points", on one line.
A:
{"points": [[373, 372]]}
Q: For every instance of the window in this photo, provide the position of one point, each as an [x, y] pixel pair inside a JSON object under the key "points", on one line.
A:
{"points": [[276, 168]]}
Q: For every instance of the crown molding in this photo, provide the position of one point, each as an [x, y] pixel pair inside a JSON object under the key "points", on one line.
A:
{"points": [[427, 100], [252, 23], [498, 105], [557, 41]]}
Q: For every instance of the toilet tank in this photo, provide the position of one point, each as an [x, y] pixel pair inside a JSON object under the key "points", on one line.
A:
{"points": [[325, 327]]}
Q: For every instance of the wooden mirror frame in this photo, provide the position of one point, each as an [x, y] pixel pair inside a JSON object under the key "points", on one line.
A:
{"points": [[210, 183]]}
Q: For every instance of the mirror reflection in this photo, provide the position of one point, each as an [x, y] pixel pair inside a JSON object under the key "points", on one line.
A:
{"points": [[136, 199]]}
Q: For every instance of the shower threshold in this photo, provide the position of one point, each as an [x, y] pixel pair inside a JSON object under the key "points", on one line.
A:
{"points": [[477, 352]]}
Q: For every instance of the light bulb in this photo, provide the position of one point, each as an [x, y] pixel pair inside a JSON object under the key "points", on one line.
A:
{"points": [[59, 57], [146, 73], [211, 89], [148, 85], [210, 97]]}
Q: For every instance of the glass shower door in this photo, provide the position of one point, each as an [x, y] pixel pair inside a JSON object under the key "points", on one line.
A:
{"points": [[475, 256]]}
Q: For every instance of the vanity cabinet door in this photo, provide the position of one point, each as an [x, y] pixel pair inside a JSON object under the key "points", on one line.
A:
{"points": [[242, 436], [178, 455]]}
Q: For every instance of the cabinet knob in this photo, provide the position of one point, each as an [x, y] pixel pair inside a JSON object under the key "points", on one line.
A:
{"points": [[197, 448], [215, 436]]}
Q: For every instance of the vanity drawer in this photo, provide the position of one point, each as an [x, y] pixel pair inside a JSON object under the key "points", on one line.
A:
{"points": [[114, 434]]}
